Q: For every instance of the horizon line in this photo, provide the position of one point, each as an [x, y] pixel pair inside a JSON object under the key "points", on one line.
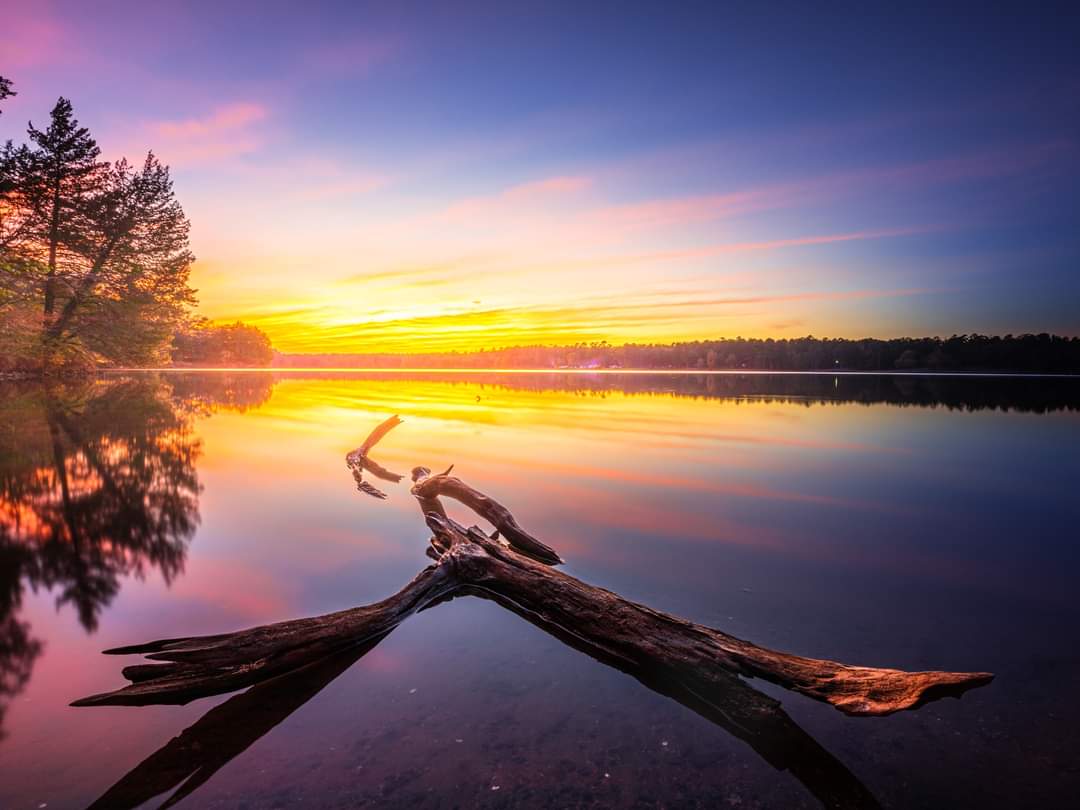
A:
{"points": [[605, 371]]}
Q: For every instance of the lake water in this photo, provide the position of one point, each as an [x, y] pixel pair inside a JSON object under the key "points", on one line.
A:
{"points": [[920, 523]]}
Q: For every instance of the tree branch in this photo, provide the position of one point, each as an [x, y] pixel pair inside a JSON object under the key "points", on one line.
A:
{"points": [[428, 488], [357, 460]]}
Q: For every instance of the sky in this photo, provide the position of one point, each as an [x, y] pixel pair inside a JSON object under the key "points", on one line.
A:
{"points": [[426, 177]]}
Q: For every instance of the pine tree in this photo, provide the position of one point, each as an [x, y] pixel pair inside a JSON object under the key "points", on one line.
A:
{"points": [[134, 262], [58, 177], [99, 250]]}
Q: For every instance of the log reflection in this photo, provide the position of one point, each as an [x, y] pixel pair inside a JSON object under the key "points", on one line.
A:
{"points": [[190, 759]]}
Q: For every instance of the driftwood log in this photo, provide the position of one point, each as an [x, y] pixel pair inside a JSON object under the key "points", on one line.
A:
{"points": [[699, 666], [190, 759]]}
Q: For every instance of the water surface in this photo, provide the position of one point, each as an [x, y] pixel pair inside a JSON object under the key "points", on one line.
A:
{"points": [[921, 523]]}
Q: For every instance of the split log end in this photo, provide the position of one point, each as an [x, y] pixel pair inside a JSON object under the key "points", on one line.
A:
{"points": [[165, 645], [868, 692]]}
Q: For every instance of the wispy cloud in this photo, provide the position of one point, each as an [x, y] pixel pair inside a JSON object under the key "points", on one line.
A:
{"points": [[32, 37], [227, 131], [229, 118]]}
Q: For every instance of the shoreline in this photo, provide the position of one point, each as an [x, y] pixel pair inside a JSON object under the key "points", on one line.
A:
{"points": [[18, 376], [604, 371]]}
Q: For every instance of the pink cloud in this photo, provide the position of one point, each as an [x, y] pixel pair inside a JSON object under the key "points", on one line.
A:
{"points": [[817, 190], [708, 251], [223, 119], [30, 38], [228, 131], [775, 244]]}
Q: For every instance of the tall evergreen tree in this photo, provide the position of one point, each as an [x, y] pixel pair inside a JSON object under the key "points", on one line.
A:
{"points": [[100, 250], [133, 260], [59, 176]]}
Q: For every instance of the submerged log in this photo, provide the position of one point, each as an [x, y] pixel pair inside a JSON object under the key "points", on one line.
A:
{"points": [[516, 572]]}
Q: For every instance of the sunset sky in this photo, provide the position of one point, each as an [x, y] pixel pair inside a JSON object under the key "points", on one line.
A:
{"points": [[396, 177]]}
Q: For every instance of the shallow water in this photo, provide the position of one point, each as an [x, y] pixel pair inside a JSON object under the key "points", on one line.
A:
{"points": [[921, 523]]}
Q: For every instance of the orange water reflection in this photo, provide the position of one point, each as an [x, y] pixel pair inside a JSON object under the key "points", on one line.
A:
{"points": [[204, 503]]}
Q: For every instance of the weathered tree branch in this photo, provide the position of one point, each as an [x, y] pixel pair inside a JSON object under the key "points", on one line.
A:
{"points": [[428, 488], [357, 461]]}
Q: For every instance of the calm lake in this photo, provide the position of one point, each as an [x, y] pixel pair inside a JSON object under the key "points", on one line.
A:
{"points": [[905, 521]]}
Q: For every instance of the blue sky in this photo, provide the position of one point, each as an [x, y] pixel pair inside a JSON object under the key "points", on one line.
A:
{"points": [[404, 176]]}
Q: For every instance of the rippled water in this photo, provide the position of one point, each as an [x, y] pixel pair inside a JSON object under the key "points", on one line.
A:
{"points": [[921, 523]]}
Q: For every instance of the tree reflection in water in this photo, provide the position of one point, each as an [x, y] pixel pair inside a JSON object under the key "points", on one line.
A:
{"points": [[98, 482]]}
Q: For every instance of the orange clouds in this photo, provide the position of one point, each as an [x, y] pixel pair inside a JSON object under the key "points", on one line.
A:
{"points": [[325, 328]]}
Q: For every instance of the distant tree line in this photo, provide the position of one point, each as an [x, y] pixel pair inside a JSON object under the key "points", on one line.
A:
{"points": [[1031, 353], [94, 256]]}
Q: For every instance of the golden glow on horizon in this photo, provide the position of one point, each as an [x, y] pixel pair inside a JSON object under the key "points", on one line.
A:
{"points": [[329, 322], [544, 263]]}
